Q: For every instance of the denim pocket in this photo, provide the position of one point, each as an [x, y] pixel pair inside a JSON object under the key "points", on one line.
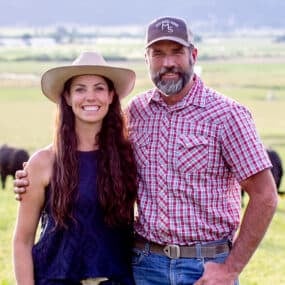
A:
{"points": [[137, 256]]}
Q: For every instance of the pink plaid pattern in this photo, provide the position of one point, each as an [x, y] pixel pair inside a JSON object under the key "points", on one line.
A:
{"points": [[191, 157]]}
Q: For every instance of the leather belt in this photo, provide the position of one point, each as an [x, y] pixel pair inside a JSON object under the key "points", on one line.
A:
{"points": [[175, 251]]}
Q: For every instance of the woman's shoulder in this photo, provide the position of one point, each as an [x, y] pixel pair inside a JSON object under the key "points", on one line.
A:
{"points": [[41, 163], [42, 156]]}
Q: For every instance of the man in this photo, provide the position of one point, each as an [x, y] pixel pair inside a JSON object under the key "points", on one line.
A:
{"points": [[194, 148]]}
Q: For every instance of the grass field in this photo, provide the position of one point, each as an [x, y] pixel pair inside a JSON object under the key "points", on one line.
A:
{"points": [[253, 74]]}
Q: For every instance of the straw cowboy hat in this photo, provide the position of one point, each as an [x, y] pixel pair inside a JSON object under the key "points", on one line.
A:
{"points": [[53, 80]]}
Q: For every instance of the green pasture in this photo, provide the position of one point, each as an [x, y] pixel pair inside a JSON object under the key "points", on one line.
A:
{"points": [[252, 74]]}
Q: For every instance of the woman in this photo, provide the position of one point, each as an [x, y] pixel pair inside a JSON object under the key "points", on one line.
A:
{"points": [[82, 186]]}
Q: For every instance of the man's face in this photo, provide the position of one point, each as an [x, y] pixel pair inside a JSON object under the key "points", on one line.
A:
{"points": [[170, 66]]}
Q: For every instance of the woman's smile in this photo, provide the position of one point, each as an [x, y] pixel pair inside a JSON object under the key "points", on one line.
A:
{"points": [[91, 107]]}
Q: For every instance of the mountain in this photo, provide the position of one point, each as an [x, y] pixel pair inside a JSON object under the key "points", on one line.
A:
{"points": [[203, 15]]}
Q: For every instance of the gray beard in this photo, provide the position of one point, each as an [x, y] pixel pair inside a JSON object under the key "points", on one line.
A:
{"points": [[171, 87]]}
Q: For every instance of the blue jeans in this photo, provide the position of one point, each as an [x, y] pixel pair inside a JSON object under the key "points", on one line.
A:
{"points": [[155, 269]]}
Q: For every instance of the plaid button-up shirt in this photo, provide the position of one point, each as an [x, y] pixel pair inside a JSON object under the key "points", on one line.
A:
{"points": [[191, 157]]}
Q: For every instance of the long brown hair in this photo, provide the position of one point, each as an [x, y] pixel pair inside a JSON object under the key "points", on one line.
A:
{"points": [[117, 174]]}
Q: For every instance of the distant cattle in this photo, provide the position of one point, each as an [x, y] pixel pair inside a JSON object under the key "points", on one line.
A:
{"points": [[11, 159], [276, 170]]}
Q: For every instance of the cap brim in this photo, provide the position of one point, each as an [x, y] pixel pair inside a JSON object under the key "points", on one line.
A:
{"points": [[53, 80], [169, 38]]}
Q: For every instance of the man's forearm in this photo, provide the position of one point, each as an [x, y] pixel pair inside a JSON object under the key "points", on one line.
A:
{"points": [[257, 217]]}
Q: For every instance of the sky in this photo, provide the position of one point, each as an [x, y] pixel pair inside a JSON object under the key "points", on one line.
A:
{"points": [[140, 12]]}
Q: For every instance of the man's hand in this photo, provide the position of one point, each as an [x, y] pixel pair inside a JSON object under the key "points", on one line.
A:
{"points": [[20, 183], [216, 274]]}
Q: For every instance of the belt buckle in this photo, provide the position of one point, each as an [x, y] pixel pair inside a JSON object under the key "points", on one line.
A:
{"points": [[172, 251]]}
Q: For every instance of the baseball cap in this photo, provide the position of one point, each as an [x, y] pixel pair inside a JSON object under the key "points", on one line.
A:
{"points": [[169, 28]]}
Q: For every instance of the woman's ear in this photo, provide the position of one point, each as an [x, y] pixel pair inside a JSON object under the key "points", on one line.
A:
{"points": [[67, 98]]}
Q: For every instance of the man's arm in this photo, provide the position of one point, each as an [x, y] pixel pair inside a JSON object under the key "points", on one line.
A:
{"points": [[21, 182], [257, 217]]}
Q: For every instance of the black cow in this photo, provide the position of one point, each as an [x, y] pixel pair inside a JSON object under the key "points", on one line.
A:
{"points": [[11, 159], [276, 170]]}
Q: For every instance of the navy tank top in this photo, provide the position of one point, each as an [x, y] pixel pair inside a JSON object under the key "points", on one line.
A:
{"points": [[88, 248]]}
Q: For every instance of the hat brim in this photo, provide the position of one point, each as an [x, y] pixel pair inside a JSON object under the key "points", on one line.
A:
{"points": [[53, 80], [169, 38]]}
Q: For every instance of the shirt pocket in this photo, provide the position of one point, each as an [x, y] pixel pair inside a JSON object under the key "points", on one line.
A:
{"points": [[192, 153], [141, 143]]}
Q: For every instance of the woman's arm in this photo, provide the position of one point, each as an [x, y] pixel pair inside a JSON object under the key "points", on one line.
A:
{"points": [[39, 168]]}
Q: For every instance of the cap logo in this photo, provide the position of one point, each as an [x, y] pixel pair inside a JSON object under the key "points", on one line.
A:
{"points": [[167, 26]]}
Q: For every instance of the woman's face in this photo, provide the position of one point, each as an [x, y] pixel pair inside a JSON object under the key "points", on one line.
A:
{"points": [[89, 98]]}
